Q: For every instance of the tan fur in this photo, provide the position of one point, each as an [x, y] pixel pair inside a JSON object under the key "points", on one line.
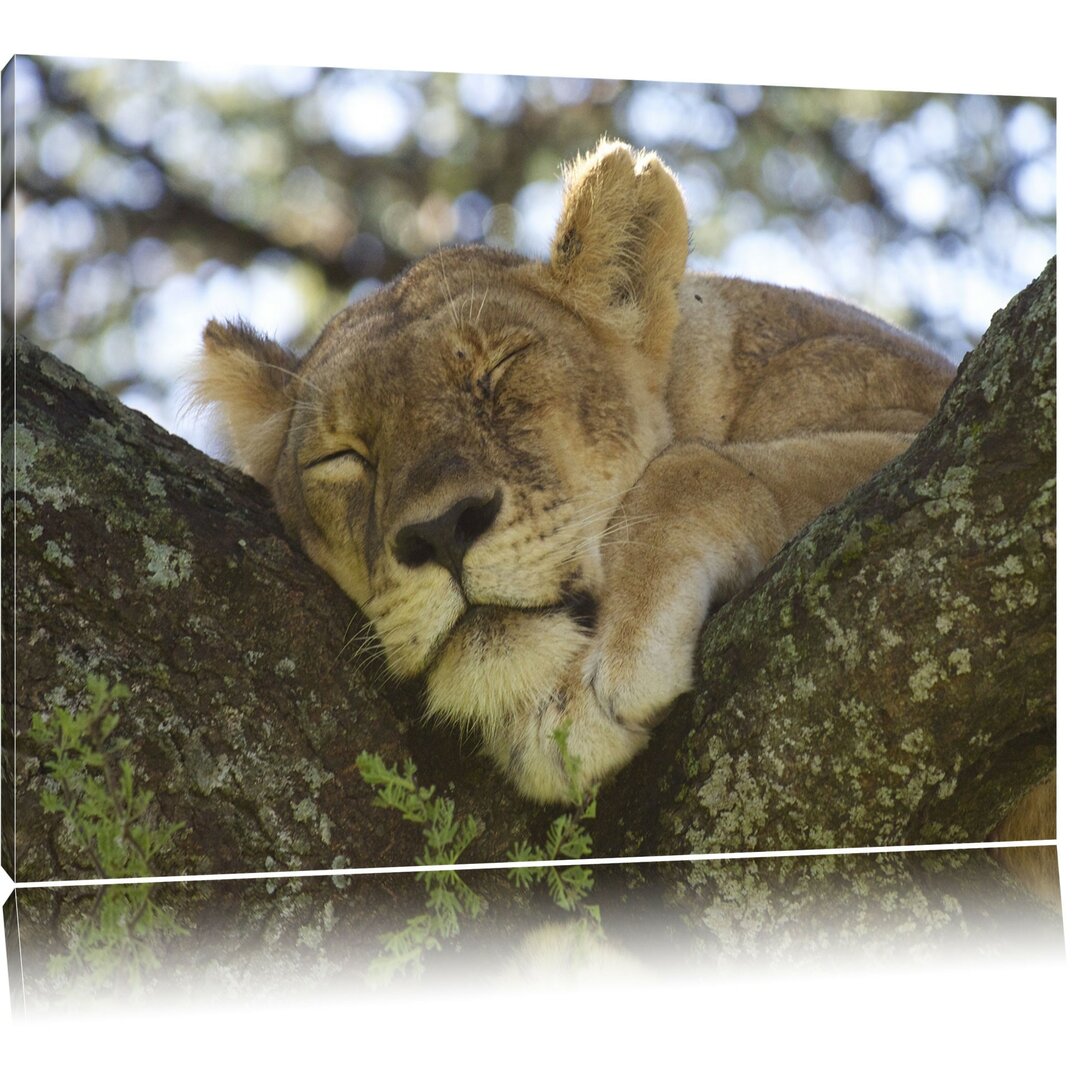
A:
{"points": [[1034, 817], [252, 374], [488, 445]]}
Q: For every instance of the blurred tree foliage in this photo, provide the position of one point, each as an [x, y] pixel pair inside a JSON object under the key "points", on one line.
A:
{"points": [[148, 196]]}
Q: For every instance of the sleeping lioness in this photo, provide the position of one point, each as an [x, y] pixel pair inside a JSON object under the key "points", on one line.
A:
{"points": [[536, 478]]}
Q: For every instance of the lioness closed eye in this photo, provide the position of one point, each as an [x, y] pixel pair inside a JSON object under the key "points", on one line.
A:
{"points": [[535, 478]]}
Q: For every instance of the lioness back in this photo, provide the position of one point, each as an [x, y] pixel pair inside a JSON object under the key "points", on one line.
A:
{"points": [[753, 361]]}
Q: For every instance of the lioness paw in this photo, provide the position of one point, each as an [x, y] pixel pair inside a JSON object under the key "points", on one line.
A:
{"points": [[568, 744]]}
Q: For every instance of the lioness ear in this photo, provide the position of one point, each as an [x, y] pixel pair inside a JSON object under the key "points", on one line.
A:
{"points": [[247, 378], [620, 248]]}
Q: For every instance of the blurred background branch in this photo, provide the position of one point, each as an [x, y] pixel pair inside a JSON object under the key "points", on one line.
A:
{"points": [[150, 196]]}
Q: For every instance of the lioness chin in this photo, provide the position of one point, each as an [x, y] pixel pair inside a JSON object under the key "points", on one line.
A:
{"points": [[536, 478]]}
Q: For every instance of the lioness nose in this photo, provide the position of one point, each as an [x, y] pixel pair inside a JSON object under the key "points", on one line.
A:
{"points": [[446, 538]]}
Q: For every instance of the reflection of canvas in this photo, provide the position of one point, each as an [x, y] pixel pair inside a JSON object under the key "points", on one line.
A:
{"points": [[645, 925]]}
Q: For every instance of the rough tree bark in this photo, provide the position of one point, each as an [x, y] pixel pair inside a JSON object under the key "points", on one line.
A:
{"points": [[888, 679]]}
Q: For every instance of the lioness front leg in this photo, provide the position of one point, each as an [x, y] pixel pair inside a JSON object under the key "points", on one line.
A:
{"points": [[699, 525]]}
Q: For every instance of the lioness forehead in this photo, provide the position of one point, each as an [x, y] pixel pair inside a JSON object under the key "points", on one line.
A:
{"points": [[449, 289]]}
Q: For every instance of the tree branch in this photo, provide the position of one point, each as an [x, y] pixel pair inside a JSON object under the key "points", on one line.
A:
{"points": [[889, 677]]}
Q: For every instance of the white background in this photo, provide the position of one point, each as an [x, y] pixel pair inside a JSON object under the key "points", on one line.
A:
{"points": [[986, 1022]]}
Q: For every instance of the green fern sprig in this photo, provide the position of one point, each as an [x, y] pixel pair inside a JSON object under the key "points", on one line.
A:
{"points": [[449, 898], [567, 839], [91, 784]]}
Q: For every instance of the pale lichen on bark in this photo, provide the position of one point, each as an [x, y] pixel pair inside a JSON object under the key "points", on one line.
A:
{"points": [[145, 562], [889, 677]]}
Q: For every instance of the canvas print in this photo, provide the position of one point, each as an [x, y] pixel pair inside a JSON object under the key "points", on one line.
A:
{"points": [[423, 468]]}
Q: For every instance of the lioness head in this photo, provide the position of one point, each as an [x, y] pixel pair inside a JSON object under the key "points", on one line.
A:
{"points": [[453, 447]]}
